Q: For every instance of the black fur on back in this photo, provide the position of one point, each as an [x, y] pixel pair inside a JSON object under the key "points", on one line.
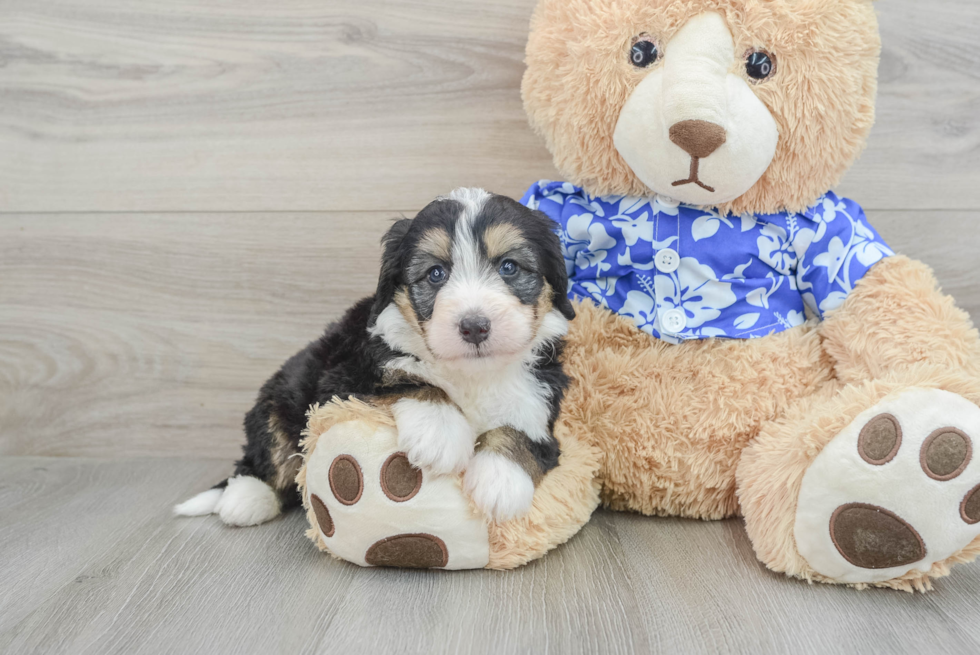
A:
{"points": [[549, 371], [346, 361]]}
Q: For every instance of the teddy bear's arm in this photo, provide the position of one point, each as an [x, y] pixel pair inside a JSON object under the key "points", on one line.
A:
{"points": [[895, 318], [835, 246]]}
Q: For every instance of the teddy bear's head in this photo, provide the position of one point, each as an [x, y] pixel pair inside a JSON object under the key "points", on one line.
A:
{"points": [[743, 105]]}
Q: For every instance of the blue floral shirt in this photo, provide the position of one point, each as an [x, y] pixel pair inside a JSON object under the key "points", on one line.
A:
{"points": [[680, 272]]}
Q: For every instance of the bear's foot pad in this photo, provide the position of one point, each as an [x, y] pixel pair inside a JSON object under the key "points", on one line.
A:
{"points": [[871, 537], [410, 551], [896, 490]]}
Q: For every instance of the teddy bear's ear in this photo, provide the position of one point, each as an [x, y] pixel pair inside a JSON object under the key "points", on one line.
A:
{"points": [[390, 276]]}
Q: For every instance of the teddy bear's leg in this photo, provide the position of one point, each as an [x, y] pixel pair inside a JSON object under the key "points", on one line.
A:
{"points": [[874, 483], [874, 479]]}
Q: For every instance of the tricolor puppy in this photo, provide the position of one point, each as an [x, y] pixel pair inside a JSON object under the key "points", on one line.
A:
{"points": [[463, 340]]}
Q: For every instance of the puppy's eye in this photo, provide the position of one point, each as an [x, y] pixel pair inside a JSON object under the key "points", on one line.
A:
{"points": [[644, 51], [508, 267], [760, 65], [437, 275]]}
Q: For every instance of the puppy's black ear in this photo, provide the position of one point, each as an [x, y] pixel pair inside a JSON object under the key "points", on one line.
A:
{"points": [[553, 267], [391, 267]]}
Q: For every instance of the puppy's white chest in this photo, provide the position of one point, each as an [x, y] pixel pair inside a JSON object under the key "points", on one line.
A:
{"points": [[517, 400], [492, 398]]}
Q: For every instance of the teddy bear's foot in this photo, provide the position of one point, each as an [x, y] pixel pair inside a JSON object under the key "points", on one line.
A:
{"points": [[898, 489], [369, 505]]}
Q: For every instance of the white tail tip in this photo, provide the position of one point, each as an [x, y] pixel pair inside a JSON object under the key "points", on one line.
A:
{"points": [[200, 505]]}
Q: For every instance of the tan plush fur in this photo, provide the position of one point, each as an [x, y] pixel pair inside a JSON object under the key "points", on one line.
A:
{"points": [[673, 420], [822, 97], [563, 502], [897, 318], [718, 428], [895, 331]]}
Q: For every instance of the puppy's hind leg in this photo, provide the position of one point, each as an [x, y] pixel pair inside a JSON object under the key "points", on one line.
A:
{"points": [[241, 500], [264, 481], [265, 478]]}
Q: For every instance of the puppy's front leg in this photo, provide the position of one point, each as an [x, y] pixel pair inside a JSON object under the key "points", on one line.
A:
{"points": [[433, 432], [507, 467]]}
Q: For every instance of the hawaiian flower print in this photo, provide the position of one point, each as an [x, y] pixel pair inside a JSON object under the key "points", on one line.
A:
{"points": [[733, 276], [585, 243], [776, 249], [641, 307], [695, 289]]}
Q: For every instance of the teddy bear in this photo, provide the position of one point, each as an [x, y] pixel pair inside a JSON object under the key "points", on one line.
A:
{"points": [[746, 344]]}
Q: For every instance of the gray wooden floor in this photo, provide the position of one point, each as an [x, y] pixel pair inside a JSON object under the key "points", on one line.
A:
{"points": [[189, 190], [92, 562]]}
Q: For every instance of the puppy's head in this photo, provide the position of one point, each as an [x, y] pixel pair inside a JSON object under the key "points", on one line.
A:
{"points": [[473, 276]]}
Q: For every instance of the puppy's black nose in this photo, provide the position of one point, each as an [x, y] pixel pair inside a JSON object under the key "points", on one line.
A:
{"points": [[475, 328]]}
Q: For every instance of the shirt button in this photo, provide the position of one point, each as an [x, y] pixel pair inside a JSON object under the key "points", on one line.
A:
{"points": [[667, 260], [667, 201], [673, 321]]}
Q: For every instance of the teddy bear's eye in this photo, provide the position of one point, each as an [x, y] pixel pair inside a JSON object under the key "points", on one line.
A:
{"points": [[760, 65], [644, 51]]}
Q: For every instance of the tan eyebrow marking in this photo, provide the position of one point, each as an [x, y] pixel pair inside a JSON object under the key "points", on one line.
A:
{"points": [[501, 238], [436, 242]]}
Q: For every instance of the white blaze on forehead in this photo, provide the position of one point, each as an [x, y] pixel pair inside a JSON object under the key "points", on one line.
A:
{"points": [[471, 198], [468, 266], [516, 332]]}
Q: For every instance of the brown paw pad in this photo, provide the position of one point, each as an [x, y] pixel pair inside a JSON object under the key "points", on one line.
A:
{"points": [[410, 551], [400, 481], [871, 537], [346, 479], [880, 440], [945, 453], [970, 507], [323, 518]]}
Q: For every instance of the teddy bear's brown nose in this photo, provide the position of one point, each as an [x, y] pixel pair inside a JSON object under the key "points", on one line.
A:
{"points": [[698, 138]]}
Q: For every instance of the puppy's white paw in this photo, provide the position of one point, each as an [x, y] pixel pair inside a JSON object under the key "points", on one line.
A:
{"points": [[435, 436], [498, 486], [247, 501], [200, 505]]}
